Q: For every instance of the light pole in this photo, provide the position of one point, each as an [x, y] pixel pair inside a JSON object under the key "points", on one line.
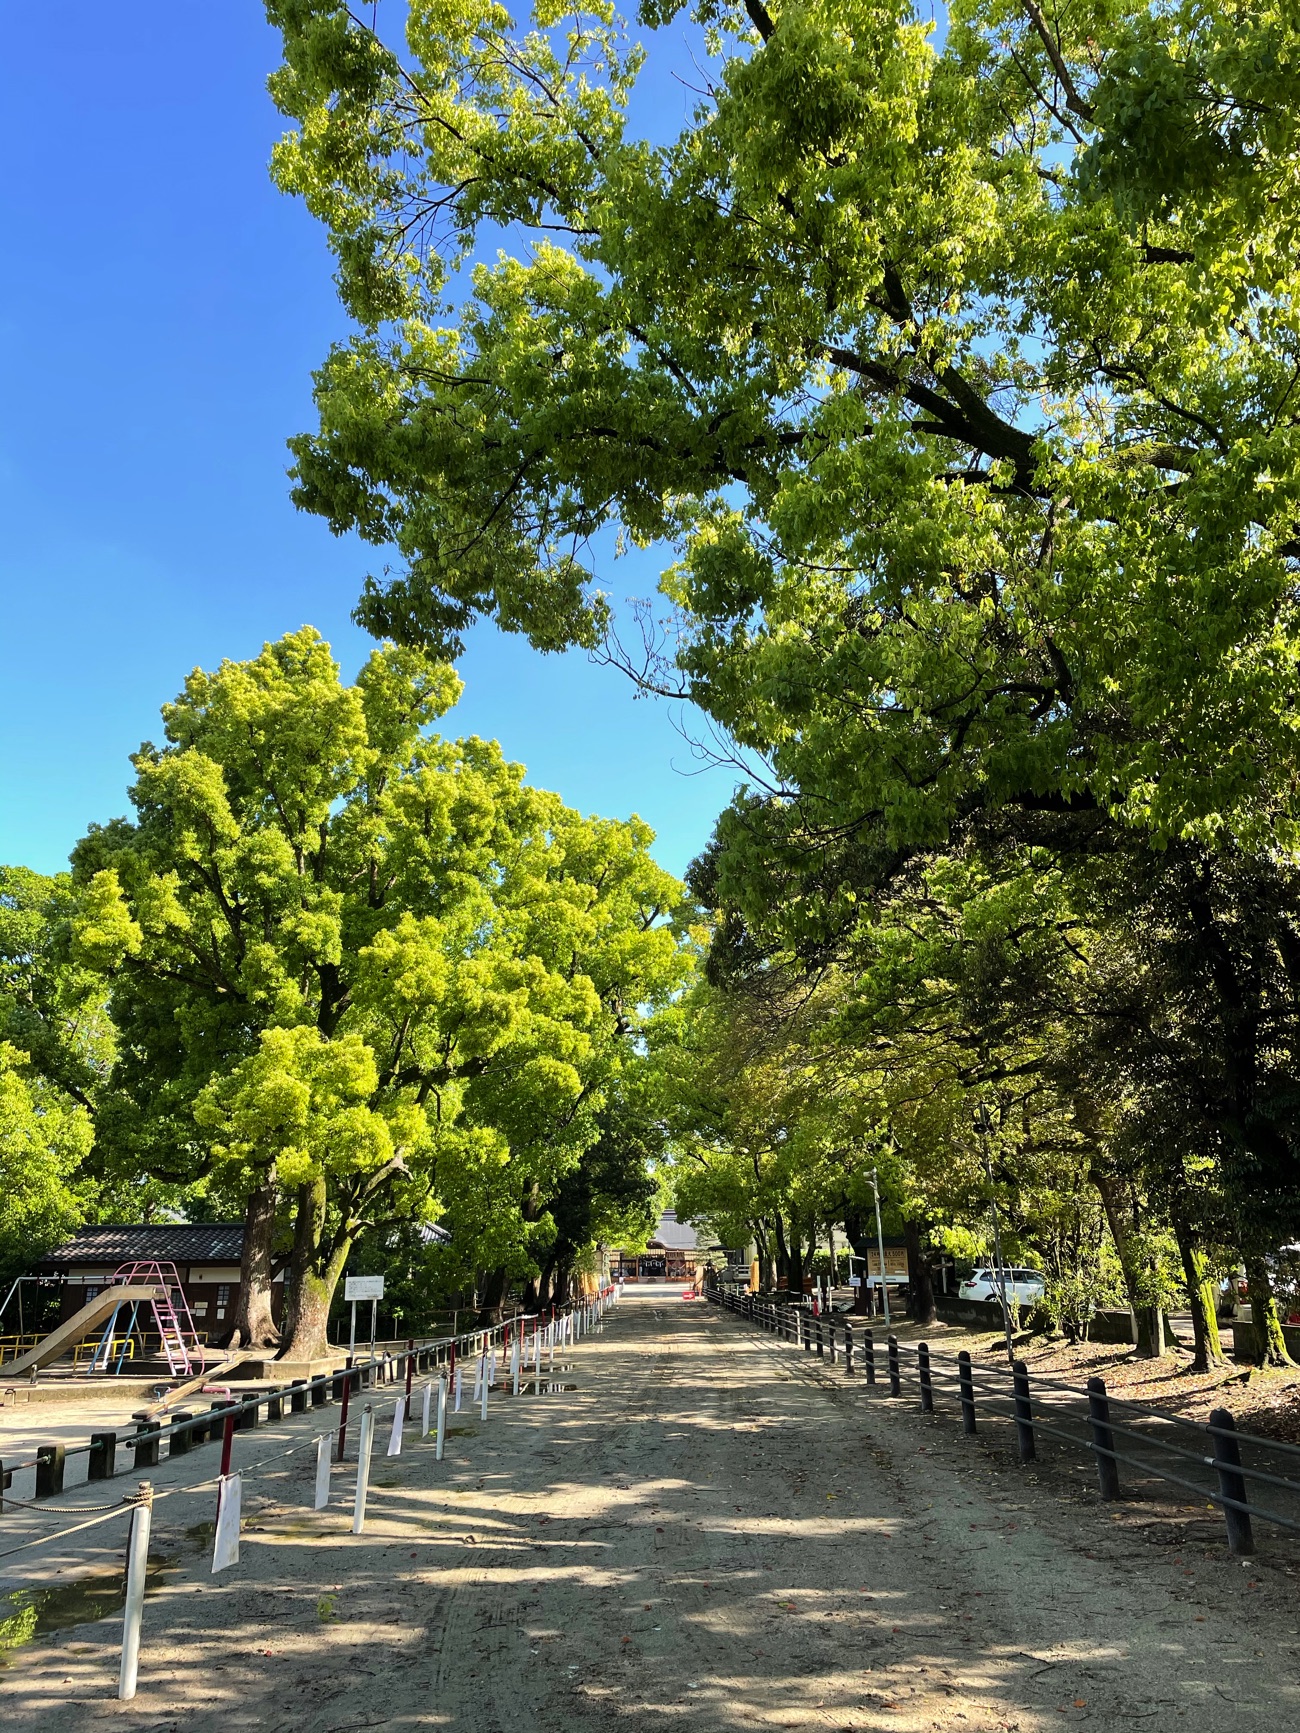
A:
{"points": [[880, 1244], [985, 1124]]}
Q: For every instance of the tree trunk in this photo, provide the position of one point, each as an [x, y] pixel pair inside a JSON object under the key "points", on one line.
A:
{"points": [[763, 1246], [254, 1326], [1150, 1333], [1200, 1300], [492, 1292], [782, 1253], [920, 1277], [313, 1278], [794, 1264], [858, 1234], [1266, 1326]]}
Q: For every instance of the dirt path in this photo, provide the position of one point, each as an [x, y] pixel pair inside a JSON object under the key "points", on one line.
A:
{"points": [[705, 1533]]}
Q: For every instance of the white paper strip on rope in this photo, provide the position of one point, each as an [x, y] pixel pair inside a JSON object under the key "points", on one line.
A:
{"points": [[399, 1420], [363, 1468], [225, 1547], [323, 1444]]}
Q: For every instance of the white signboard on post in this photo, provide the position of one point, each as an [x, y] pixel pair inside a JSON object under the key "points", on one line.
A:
{"points": [[363, 1287]]}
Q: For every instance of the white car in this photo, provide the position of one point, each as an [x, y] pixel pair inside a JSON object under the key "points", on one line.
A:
{"points": [[1022, 1287]]}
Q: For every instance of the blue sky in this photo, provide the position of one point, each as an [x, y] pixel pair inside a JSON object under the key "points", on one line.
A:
{"points": [[161, 309]]}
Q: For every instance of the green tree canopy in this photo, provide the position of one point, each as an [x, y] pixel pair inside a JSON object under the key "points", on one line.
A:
{"points": [[941, 365], [360, 970]]}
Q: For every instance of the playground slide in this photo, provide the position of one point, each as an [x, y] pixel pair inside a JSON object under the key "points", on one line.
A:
{"points": [[65, 1336]]}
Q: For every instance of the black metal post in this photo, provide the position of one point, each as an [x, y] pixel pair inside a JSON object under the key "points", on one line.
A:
{"points": [[298, 1396], [848, 1348], [895, 1388], [1103, 1439], [966, 1383], [923, 1372], [805, 1325], [1232, 1482], [869, 1355], [821, 1346], [1024, 1411]]}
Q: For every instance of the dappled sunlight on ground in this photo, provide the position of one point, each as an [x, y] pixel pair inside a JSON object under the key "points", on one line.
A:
{"points": [[705, 1534]]}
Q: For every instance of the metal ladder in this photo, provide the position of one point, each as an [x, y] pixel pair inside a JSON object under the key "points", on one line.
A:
{"points": [[180, 1340]]}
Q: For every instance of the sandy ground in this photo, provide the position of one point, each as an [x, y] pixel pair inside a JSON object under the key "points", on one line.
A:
{"points": [[708, 1532]]}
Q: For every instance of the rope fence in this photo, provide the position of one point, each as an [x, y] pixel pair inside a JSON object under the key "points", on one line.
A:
{"points": [[445, 1363]]}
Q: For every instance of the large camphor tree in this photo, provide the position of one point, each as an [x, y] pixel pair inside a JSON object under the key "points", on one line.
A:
{"points": [[956, 370], [361, 972]]}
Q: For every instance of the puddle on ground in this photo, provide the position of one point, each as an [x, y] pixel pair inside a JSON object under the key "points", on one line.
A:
{"points": [[60, 1606]]}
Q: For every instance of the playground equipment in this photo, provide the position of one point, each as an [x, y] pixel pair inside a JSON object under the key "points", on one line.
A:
{"points": [[151, 1285], [177, 1337]]}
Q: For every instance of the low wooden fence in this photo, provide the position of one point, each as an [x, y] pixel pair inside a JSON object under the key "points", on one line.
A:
{"points": [[185, 1430], [1122, 1437]]}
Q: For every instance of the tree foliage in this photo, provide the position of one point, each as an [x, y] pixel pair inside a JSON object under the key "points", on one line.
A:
{"points": [[362, 968], [956, 374]]}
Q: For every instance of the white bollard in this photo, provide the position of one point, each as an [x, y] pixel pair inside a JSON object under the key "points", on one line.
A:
{"points": [[363, 1468], [399, 1421], [442, 1419], [137, 1563], [492, 1365], [480, 1367], [550, 1346], [537, 1348], [323, 1444], [458, 1379], [426, 1405], [482, 1413], [514, 1365]]}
